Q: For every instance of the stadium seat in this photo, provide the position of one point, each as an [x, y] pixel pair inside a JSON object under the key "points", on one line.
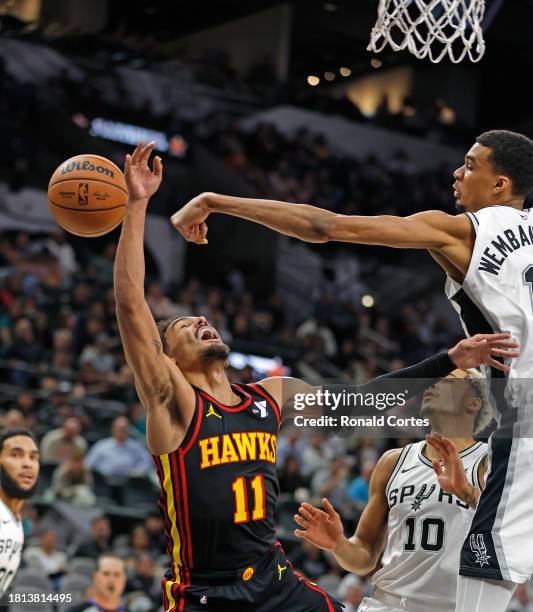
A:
{"points": [[35, 607], [34, 578], [82, 565], [75, 598], [75, 583], [101, 487], [138, 491]]}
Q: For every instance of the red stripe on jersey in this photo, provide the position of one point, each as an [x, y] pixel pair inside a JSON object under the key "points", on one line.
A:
{"points": [[177, 505], [199, 415], [270, 400], [316, 588], [185, 496]]}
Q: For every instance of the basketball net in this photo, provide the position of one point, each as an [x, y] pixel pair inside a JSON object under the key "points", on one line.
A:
{"points": [[431, 28]]}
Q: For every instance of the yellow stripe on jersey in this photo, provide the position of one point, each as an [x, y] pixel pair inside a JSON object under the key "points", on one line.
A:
{"points": [[174, 533]]}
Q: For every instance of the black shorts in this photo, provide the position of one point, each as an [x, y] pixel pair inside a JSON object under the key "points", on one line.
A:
{"points": [[500, 540], [270, 585]]}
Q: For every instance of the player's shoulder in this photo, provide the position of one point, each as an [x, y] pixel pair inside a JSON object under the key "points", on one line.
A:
{"points": [[386, 464]]}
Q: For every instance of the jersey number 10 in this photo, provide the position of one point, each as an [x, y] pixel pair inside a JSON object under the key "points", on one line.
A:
{"points": [[430, 525], [242, 506]]}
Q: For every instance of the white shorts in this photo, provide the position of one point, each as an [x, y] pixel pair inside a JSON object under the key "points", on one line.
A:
{"points": [[369, 604]]}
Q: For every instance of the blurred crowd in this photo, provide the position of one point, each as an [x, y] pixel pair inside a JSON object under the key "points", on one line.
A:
{"points": [[302, 168]]}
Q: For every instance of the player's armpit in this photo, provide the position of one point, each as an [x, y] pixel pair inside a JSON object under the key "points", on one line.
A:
{"points": [[369, 539], [432, 229]]}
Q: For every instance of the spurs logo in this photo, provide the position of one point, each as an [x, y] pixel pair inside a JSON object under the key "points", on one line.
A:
{"points": [[478, 547], [422, 495]]}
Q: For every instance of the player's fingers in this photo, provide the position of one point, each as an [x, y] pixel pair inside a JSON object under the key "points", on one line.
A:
{"points": [[137, 151], [498, 366], [146, 152], [300, 520], [311, 509], [329, 507], [300, 534], [504, 353], [127, 163], [504, 344], [305, 513], [158, 167], [438, 466], [499, 336]]}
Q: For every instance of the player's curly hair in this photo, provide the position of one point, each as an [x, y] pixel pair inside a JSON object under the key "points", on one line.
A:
{"points": [[511, 155], [481, 389], [162, 327]]}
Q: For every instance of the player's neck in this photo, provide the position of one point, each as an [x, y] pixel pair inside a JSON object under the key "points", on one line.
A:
{"points": [[215, 382], [516, 202], [459, 443], [15, 505]]}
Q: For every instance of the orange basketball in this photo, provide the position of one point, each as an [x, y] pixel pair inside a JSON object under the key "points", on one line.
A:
{"points": [[87, 195]]}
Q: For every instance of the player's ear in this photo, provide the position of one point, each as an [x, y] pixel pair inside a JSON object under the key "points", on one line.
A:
{"points": [[501, 184], [473, 405]]}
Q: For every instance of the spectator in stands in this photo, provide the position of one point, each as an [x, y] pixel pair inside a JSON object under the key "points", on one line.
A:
{"points": [[155, 528], [310, 560], [46, 557], [143, 579], [108, 585], [351, 592], [14, 419], [72, 481], [58, 445], [120, 455], [358, 487], [331, 482], [160, 305], [98, 543], [290, 476], [138, 544], [98, 355]]}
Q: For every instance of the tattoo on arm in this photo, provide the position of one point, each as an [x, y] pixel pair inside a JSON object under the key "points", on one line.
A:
{"points": [[158, 346]]}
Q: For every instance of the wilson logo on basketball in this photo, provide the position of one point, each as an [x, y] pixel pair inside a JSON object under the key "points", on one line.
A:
{"points": [[86, 165]]}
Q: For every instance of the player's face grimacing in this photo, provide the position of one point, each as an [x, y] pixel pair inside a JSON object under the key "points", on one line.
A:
{"points": [[19, 467], [453, 396], [192, 342], [476, 182]]}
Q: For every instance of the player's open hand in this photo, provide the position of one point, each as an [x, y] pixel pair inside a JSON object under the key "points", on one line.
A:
{"points": [[482, 349], [323, 529], [190, 219], [448, 467], [142, 181]]}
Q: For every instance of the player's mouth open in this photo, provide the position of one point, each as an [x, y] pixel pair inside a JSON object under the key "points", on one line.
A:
{"points": [[207, 333]]}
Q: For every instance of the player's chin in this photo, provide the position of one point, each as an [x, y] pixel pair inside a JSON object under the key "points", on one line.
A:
{"points": [[214, 349]]}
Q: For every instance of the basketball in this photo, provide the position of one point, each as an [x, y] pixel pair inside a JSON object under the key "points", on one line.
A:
{"points": [[87, 195]]}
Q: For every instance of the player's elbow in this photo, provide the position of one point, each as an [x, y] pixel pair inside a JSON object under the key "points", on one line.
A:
{"points": [[325, 229]]}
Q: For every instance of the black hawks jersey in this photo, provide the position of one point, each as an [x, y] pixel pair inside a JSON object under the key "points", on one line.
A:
{"points": [[219, 487]]}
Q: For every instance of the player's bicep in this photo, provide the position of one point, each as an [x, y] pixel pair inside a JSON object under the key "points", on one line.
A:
{"points": [[142, 347], [426, 230]]}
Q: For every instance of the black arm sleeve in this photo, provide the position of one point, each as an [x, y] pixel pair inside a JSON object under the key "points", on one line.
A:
{"points": [[413, 379]]}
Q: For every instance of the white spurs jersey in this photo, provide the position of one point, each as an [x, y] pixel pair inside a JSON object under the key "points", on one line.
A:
{"points": [[497, 293], [11, 543], [426, 530]]}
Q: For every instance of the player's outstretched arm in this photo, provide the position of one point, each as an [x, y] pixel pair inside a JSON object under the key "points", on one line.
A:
{"points": [[432, 229], [158, 380], [450, 470], [293, 394], [323, 528]]}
